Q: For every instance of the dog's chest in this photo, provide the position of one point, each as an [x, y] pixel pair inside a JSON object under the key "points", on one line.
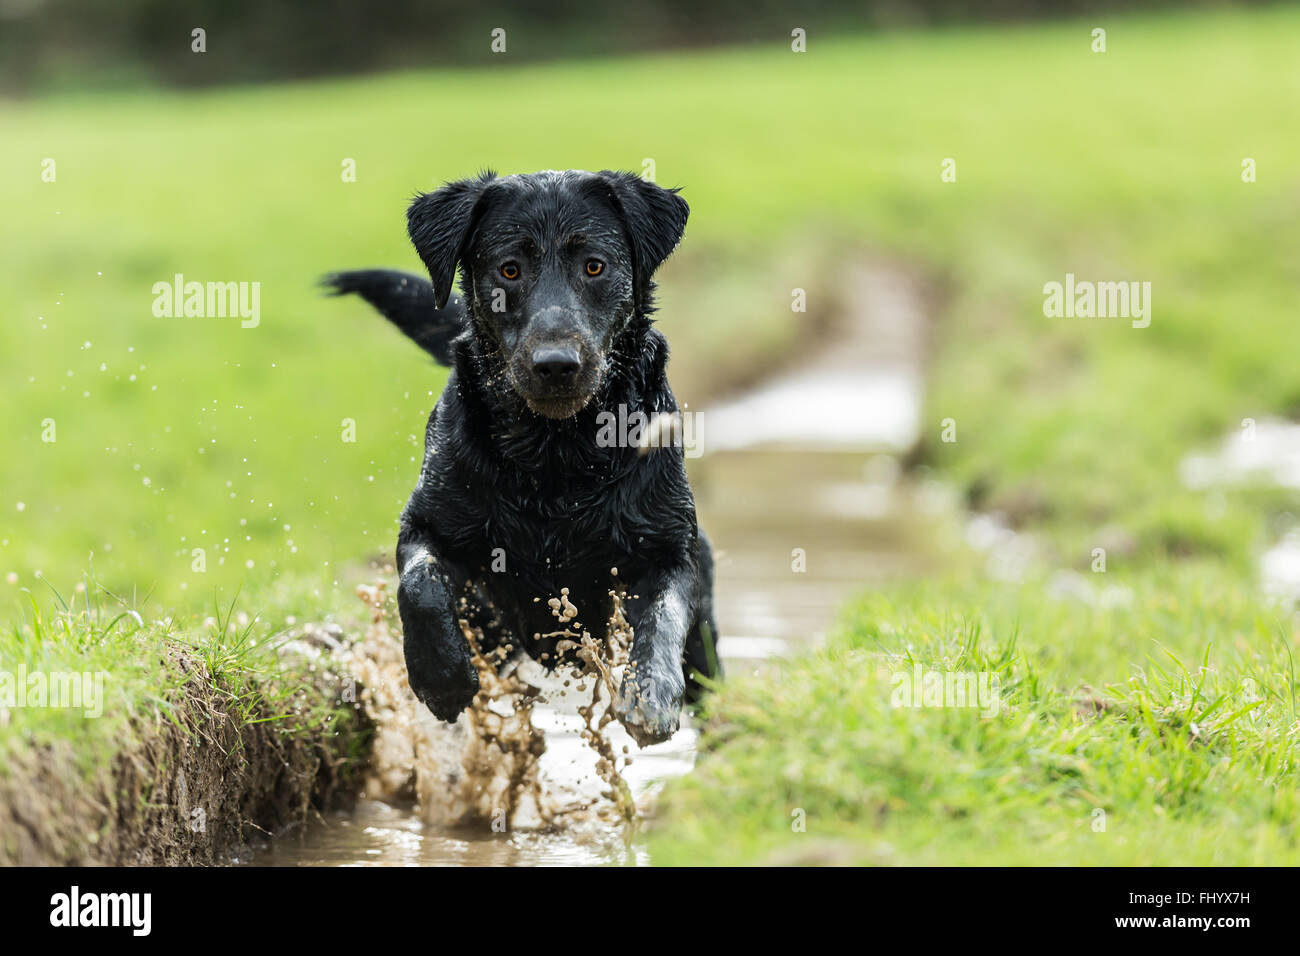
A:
{"points": [[545, 529]]}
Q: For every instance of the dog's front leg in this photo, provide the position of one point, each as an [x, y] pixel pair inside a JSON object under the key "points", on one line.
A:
{"points": [[438, 663], [649, 701]]}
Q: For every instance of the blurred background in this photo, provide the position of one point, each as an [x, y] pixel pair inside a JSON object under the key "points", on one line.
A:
{"points": [[978, 151], [53, 44]]}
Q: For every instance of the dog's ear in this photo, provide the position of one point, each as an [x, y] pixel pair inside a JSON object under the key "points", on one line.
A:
{"points": [[655, 218], [440, 224]]}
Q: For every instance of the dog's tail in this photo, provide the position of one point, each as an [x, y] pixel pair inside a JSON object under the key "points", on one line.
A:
{"points": [[409, 303]]}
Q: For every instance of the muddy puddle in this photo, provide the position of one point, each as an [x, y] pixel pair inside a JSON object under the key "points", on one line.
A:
{"points": [[1263, 454], [799, 488]]}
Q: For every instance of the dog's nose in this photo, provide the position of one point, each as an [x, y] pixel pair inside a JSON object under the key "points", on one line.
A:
{"points": [[556, 365]]}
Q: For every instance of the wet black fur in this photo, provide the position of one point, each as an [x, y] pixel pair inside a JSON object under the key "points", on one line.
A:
{"points": [[502, 481]]}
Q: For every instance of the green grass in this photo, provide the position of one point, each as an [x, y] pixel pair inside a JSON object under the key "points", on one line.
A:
{"points": [[165, 703], [180, 740], [1170, 721], [150, 661]]}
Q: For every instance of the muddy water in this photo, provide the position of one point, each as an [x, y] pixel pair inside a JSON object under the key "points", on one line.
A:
{"points": [[799, 489], [1263, 454]]}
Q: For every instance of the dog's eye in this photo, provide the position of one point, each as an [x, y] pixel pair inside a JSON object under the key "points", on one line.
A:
{"points": [[595, 267], [510, 271]]}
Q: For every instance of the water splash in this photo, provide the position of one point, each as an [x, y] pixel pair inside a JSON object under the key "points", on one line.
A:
{"points": [[486, 769]]}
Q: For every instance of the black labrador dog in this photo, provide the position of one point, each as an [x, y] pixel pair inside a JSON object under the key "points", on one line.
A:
{"points": [[522, 493]]}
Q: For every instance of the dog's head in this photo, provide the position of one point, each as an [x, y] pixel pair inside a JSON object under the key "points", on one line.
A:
{"points": [[554, 266]]}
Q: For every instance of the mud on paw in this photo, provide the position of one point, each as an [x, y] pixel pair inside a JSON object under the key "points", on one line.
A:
{"points": [[649, 707]]}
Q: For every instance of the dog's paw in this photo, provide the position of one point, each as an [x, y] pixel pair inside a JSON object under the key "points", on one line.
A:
{"points": [[649, 708], [438, 666], [446, 698], [449, 701]]}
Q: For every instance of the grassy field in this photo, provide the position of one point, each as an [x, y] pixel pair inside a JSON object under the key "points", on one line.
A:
{"points": [[1160, 731], [174, 434]]}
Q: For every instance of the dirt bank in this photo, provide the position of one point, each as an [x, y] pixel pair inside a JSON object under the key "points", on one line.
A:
{"points": [[196, 781]]}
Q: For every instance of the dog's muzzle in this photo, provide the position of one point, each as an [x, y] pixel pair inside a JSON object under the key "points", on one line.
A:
{"points": [[554, 380]]}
